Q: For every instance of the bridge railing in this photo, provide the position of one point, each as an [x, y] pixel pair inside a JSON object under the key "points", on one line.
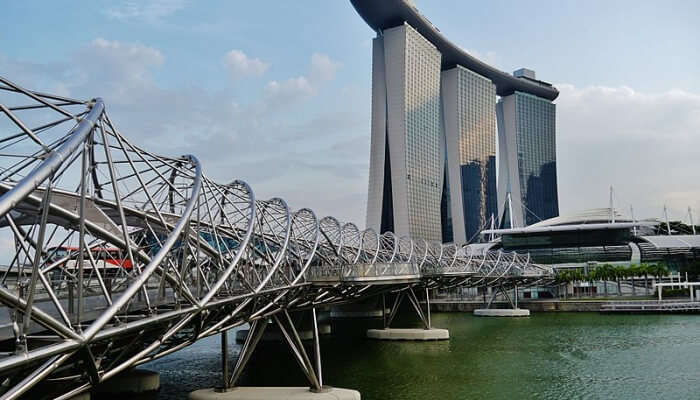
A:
{"points": [[381, 271]]}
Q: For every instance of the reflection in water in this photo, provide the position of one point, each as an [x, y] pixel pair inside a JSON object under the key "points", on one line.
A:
{"points": [[546, 356]]}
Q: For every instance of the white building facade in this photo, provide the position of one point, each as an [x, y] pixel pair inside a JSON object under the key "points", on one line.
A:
{"points": [[406, 161]]}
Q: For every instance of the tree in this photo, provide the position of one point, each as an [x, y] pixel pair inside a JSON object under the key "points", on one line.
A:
{"points": [[563, 278], [657, 271], [644, 270], [619, 273], [576, 275], [632, 272], [592, 276], [598, 274], [605, 272]]}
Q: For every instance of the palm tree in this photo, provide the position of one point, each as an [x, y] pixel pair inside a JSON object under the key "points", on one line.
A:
{"points": [[644, 270], [576, 276], [580, 277], [609, 274], [592, 276], [632, 272], [653, 270], [619, 273], [563, 278], [658, 271], [600, 273]]}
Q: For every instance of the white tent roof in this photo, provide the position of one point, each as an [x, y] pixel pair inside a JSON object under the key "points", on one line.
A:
{"points": [[674, 241]]}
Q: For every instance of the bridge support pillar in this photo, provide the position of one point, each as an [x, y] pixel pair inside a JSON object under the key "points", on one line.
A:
{"points": [[312, 369], [368, 308], [427, 333], [274, 393], [305, 328], [134, 381], [408, 334], [514, 311]]}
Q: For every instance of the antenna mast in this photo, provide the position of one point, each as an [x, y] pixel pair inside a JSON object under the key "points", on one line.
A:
{"points": [[690, 214], [612, 206]]}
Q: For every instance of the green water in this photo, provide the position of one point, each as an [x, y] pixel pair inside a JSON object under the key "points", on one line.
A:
{"points": [[545, 356]]}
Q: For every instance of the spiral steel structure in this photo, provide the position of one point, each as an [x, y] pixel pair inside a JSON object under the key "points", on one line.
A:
{"points": [[119, 256]]}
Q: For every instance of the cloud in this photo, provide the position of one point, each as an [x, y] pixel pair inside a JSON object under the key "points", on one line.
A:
{"points": [[321, 70], [152, 11], [278, 142], [120, 65], [240, 65], [644, 144], [290, 88]]}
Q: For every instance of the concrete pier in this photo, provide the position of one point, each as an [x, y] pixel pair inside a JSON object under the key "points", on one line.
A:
{"points": [[274, 393], [502, 312], [347, 312], [408, 334], [135, 381], [367, 308]]}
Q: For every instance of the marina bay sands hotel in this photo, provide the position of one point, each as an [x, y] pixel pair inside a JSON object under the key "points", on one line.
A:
{"points": [[436, 113]]}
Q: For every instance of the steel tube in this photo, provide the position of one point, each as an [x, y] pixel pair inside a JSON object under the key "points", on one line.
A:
{"points": [[317, 347], [155, 262], [224, 359], [53, 162]]}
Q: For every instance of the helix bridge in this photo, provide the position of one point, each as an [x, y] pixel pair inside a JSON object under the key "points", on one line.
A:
{"points": [[114, 256]]}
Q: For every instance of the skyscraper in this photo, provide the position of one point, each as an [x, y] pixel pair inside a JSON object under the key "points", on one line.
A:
{"points": [[469, 112], [433, 147], [527, 182], [406, 164]]}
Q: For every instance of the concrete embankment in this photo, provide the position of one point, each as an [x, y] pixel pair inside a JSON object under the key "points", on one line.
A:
{"points": [[534, 306]]}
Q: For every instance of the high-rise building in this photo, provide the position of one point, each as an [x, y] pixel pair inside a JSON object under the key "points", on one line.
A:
{"points": [[406, 163], [527, 182], [433, 148], [469, 112]]}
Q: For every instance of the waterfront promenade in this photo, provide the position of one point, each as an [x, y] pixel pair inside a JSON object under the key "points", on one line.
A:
{"points": [[679, 305]]}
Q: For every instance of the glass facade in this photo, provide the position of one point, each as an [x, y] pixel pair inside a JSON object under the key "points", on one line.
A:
{"points": [[423, 156], [536, 145], [572, 238], [469, 114], [528, 160], [446, 209], [574, 246], [476, 99]]}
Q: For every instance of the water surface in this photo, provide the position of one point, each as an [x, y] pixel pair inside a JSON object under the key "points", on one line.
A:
{"points": [[545, 356]]}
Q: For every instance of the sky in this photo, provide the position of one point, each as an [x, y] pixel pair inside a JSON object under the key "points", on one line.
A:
{"points": [[277, 93]]}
